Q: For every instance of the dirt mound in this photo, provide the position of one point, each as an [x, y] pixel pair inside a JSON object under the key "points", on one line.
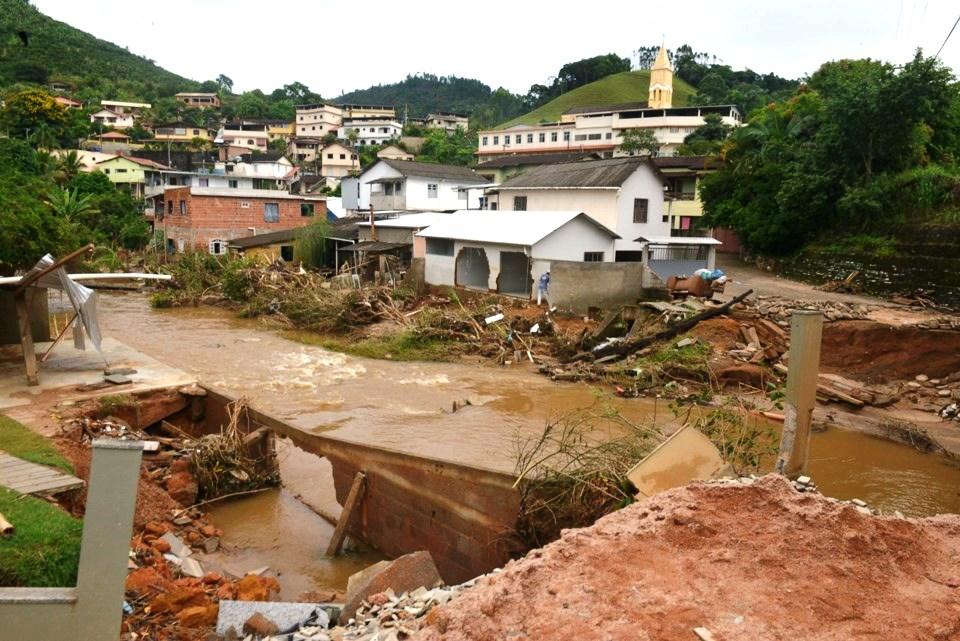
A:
{"points": [[876, 352], [747, 562]]}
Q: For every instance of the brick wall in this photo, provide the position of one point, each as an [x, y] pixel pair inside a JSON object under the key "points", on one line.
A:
{"points": [[209, 217]]}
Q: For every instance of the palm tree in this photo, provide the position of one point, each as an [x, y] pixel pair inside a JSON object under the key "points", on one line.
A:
{"points": [[43, 137], [70, 205], [68, 167]]}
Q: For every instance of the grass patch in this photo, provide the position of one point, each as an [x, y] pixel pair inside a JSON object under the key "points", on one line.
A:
{"points": [[19, 440], [627, 86], [879, 246], [667, 363], [112, 403], [45, 548], [402, 346]]}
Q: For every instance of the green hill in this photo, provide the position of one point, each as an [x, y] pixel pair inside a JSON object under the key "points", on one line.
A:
{"points": [[55, 51], [629, 86]]}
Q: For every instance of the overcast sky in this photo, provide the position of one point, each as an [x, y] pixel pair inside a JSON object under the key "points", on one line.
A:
{"points": [[334, 46]]}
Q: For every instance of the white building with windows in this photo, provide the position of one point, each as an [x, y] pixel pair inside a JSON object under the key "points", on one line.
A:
{"points": [[623, 194], [413, 186], [599, 128], [370, 131]]}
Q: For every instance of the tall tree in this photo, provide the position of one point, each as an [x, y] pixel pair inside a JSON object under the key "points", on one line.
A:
{"points": [[639, 142]]}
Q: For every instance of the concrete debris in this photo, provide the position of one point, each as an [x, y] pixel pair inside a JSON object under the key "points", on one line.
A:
{"points": [[686, 342], [703, 634], [285, 617], [191, 567], [406, 573], [489, 320], [177, 547]]}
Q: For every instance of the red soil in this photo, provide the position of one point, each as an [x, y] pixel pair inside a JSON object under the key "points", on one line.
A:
{"points": [[747, 562]]}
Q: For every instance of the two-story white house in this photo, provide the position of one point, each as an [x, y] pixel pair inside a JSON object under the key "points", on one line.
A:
{"points": [[370, 130], [405, 185], [623, 194]]}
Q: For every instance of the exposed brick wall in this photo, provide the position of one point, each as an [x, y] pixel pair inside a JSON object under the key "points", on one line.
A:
{"points": [[209, 217]]}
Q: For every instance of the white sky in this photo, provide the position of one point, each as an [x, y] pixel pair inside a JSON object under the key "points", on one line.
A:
{"points": [[334, 46]]}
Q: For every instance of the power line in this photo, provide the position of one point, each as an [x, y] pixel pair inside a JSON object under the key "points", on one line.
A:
{"points": [[948, 37]]}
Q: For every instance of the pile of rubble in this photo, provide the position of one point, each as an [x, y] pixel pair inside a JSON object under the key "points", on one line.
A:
{"points": [[778, 309], [939, 395]]}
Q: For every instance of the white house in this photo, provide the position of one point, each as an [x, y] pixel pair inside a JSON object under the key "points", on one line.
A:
{"points": [[113, 119], [506, 252], [404, 185], [623, 194], [370, 131]]}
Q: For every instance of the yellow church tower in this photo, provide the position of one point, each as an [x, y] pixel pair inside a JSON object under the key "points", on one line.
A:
{"points": [[661, 81]]}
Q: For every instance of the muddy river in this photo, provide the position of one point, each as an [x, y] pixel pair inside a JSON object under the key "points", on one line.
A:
{"points": [[407, 406]]}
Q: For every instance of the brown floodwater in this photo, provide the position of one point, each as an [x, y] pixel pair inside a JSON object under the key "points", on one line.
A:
{"points": [[274, 529], [407, 406]]}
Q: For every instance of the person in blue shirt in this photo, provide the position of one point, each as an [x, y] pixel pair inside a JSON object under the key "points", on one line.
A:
{"points": [[543, 288]]}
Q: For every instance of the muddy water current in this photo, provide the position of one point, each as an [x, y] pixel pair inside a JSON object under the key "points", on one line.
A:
{"points": [[407, 406]]}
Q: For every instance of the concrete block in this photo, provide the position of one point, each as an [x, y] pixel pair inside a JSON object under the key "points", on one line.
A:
{"points": [[177, 547], [286, 616], [405, 574]]}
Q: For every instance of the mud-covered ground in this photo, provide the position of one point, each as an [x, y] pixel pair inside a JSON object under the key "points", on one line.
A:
{"points": [[744, 561]]}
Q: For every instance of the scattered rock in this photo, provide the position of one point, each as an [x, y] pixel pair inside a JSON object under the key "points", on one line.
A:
{"points": [[198, 616], [256, 588], [260, 625], [282, 616], [211, 545], [177, 547], [409, 572]]}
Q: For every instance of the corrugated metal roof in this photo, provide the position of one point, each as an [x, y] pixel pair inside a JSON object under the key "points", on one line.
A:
{"points": [[521, 160], [411, 221], [432, 170], [678, 240], [374, 246], [611, 172], [525, 228]]}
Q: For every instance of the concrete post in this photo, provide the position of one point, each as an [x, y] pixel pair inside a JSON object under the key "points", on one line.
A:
{"points": [[806, 327], [107, 524]]}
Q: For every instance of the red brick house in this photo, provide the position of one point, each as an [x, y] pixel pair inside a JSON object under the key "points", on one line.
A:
{"points": [[206, 219]]}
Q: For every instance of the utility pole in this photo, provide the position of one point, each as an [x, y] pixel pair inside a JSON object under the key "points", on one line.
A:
{"points": [[806, 328]]}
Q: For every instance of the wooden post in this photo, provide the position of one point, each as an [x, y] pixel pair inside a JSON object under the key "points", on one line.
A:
{"points": [[806, 328], [353, 500], [26, 337]]}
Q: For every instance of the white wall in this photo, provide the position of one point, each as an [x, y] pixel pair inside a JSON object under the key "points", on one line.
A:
{"points": [[350, 192], [448, 195], [600, 204], [439, 270], [644, 183], [572, 240]]}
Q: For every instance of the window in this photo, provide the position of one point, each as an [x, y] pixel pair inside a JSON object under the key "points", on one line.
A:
{"points": [[580, 137], [183, 208], [440, 247], [553, 136], [121, 171], [271, 212], [196, 132], [330, 156], [543, 137], [609, 135], [665, 218], [640, 210], [566, 136], [244, 204], [432, 190], [594, 137], [493, 206], [519, 203], [518, 138], [496, 140], [170, 207], [106, 171], [529, 138], [306, 209], [343, 156], [218, 247], [232, 183], [204, 182], [593, 257], [484, 141]]}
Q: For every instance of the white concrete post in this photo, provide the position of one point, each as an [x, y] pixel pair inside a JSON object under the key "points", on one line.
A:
{"points": [[107, 524], [806, 328]]}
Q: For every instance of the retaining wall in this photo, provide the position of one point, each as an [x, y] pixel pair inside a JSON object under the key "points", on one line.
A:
{"points": [[577, 286]]}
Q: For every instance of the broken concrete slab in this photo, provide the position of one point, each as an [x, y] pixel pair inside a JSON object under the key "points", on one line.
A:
{"points": [[191, 567], [688, 455], [405, 574], [286, 616], [177, 547], [119, 371], [117, 379]]}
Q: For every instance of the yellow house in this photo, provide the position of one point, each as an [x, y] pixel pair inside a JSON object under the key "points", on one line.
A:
{"points": [[181, 132], [280, 130], [681, 196], [132, 174]]}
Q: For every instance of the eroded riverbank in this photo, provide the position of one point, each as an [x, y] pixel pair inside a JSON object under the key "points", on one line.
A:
{"points": [[407, 406]]}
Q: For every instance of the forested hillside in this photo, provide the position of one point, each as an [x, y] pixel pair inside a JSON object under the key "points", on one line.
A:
{"points": [[37, 48]]}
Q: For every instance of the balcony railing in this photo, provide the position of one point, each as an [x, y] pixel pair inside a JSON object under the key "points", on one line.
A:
{"points": [[679, 195]]}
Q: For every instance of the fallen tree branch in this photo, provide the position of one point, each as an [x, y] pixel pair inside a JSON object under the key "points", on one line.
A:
{"points": [[628, 347]]}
